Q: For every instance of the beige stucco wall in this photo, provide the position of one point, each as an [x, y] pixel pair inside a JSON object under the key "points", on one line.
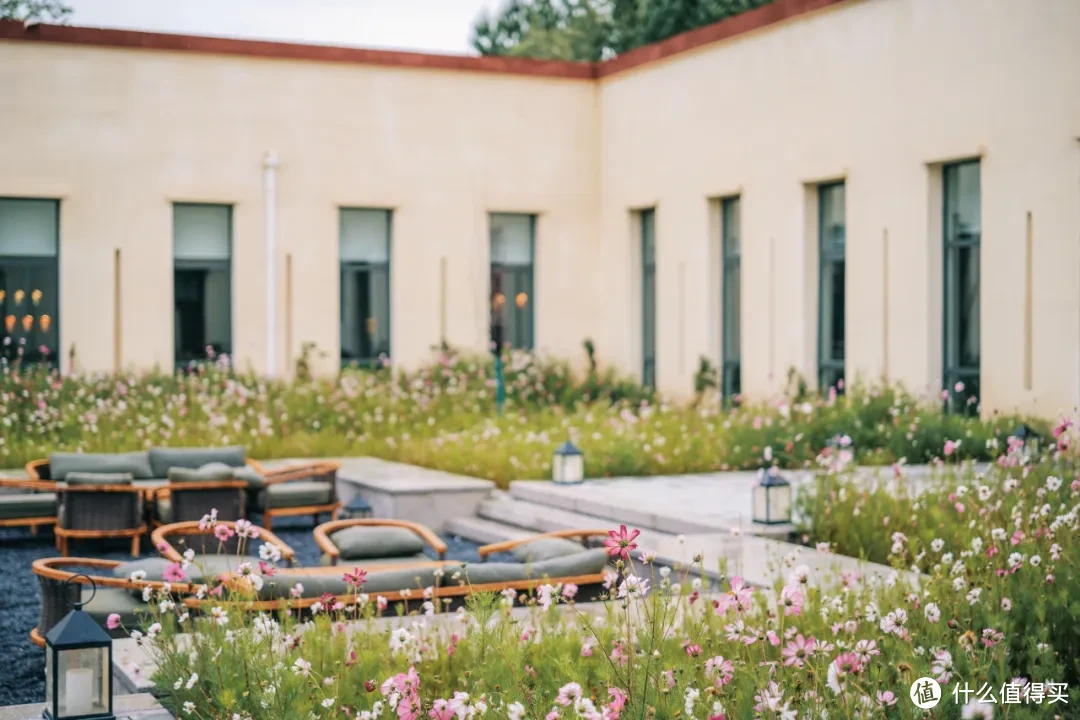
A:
{"points": [[119, 135], [876, 93]]}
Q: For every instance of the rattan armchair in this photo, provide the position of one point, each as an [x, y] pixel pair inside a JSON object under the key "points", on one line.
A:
{"points": [[173, 539], [189, 501], [60, 587], [100, 511], [324, 531], [308, 489]]}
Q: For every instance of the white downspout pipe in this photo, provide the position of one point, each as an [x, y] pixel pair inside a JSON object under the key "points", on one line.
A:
{"points": [[270, 165]]}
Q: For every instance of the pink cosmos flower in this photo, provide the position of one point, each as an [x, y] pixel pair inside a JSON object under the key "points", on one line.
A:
{"points": [[618, 702], [950, 447], [621, 543], [791, 598], [692, 649], [381, 603], [441, 710], [738, 596], [886, 698], [772, 637], [223, 532], [848, 663], [173, 573], [569, 591], [568, 694], [113, 621], [355, 578], [723, 670], [798, 650]]}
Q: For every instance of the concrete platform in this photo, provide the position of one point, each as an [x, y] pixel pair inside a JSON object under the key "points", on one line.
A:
{"points": [[125, 707]]}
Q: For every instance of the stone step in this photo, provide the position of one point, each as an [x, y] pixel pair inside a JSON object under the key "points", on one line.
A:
{"points": [[482, 531]]}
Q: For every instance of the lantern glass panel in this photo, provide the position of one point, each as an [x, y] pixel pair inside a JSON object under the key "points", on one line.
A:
{"points": [[573, 468], [82, 681], [780, 504], [761, 496]]}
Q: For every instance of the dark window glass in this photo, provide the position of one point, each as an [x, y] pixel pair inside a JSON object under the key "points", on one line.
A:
{"points": [[365, 286], [202, 282], [962, 238], [831, 250], [731, 311], [512, 250], [29, 280], [648, 297]]}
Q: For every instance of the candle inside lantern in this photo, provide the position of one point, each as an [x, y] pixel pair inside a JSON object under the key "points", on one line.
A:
{"points": [[79, 691]]}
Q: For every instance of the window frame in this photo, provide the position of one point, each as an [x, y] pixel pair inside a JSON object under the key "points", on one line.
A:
{"points": [[647, 218], [827, 256], [51, 361], [209, 264], [730, 266], [953, 373], [345, 266], [512, 269]]}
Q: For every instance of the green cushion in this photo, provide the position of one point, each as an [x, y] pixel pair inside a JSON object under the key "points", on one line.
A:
{"points": [[589, 562], [250, 475], [296, 494], [546, 549], [136, 463], [385, 581], [207, 473], [161, 459], [107, 601], [369, 563], [27, 505], [363, 541], [154, 567], [92, 478]]}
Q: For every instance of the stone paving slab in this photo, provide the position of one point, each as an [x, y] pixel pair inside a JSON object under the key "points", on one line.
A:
{"points": [[125, 707]]}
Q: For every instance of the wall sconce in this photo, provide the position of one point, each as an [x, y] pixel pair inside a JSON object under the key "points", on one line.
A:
{"points": [[19, 295], [35, 296], [27, 323], [9, 323], [44, 322], [3, 294], [521, 300]]}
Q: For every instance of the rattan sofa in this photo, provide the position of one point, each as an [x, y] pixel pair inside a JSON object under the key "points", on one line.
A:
{"points": [[27, 503]]}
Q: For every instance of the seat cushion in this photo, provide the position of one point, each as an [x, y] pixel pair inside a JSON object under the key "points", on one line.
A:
{"points": [[589, 562], [96, 478], [27, 505], [163, 510], [154, 567], [206, 473], [136, 463], [250, 475], [107, 600], [298, 493], [545, 549], [161, 459], [365, 541], [369, 563]]}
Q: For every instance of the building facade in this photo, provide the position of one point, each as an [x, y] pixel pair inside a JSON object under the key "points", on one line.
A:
{"points": [[854, 189]]}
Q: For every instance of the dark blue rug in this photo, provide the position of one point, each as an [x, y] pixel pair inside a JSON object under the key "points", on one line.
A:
{"points": [[23, 669]]}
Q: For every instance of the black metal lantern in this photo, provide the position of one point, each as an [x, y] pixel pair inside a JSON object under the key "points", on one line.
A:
{"points": [[772, 499], [78, 667], [568, 464], [1028, 439]]}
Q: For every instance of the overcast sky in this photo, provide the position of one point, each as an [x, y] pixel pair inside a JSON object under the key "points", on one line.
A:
{"points": [[426, 25]]}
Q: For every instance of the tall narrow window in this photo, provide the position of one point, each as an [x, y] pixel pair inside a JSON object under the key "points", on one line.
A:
{"points": [[365, 286], [731, 330], [29, 280], [648, 297], [202, 281], [512, 240], [831, 236], [962, 234]]}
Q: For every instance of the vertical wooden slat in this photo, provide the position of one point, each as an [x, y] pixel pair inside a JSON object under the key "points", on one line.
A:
{"points": [[288, 314], [885, 301], [1028, 303], [118, 329]]}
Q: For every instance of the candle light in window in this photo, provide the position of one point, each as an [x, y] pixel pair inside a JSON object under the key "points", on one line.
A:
{"points": [[79, 691], [521, 300], [3, 294], [498, 301], [27, 323], [371, 326], [36, 296], [44, 322], [9, 323], [19, 295]]}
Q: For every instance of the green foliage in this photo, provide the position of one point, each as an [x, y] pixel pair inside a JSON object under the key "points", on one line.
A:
{"points": [[443, 416], [592, 30], [34, 10]]}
